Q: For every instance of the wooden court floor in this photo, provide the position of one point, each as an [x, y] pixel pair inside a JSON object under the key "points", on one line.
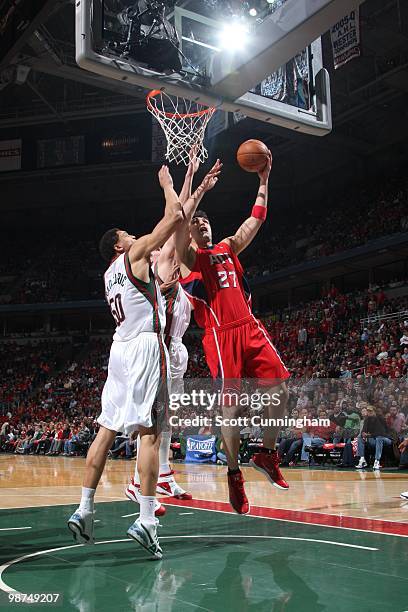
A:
{"points": [[337, 540]]}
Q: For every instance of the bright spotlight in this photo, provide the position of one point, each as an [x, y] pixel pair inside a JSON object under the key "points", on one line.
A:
{"points": [[233, 36], [253, 12]]}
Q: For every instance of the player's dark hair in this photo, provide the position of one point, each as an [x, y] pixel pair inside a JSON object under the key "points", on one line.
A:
{"points": [[200, 213], [107, 244]]}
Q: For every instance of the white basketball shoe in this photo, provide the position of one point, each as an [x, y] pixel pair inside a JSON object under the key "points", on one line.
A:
{"points": [[146, 536], [81, 525]]}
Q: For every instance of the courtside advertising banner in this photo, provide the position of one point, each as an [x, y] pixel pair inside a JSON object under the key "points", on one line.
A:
{"points": [[10, 155], [345, 38], [201, 449]]}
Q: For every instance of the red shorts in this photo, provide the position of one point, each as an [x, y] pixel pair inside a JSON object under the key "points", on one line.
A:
{"points": [[243, 349]]}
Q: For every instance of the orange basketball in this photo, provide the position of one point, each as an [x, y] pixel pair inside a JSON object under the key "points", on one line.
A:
{"points": [[252, 155]]}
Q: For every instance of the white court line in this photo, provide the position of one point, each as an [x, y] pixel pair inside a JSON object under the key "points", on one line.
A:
{"points": [[133, 514], [13, 528], [185, 513], [5, 566]]}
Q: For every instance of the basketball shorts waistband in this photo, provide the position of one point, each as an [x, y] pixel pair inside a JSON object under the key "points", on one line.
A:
{"points": [[139, 335], [231, 325]]}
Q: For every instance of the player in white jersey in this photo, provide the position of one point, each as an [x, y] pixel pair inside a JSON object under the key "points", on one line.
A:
{"points": [[178, 314], [134, 395]]}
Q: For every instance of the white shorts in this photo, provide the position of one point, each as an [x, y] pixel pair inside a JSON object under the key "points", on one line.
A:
{"points": [[178, 356], [136, 372]]}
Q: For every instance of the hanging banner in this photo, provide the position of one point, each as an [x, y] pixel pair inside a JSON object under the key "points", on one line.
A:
{"points": [[345, 38], [10, 155]]}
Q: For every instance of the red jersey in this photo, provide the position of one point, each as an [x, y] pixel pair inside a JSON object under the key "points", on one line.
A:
{"points": [[217, 287]]}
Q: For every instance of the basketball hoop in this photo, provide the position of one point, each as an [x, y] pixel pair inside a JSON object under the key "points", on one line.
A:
{"points": [[183, 122]]}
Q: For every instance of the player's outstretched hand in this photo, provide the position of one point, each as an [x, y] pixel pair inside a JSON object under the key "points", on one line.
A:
{"points": [[194, 162], [165, 178], [403, 446], [211, 178], [264, 174]]}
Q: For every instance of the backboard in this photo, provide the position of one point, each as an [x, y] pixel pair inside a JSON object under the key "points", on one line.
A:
{"points": [[276, 75]]}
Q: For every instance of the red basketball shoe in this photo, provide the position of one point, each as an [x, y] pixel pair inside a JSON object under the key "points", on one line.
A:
{"points": [[268, 464], [237, 496]]}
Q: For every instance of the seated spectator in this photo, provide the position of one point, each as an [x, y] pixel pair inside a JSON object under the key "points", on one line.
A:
{"points": [[395, 420], [339, 415], [351, 425], [83, 441], [68, 443], [375, 434], [325, 433], [120, 444], [288, 447], [4, 432], [403, 448], [58, 441]]}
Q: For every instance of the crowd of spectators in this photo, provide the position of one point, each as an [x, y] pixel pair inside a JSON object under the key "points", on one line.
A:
{"points": [[23, 368], [71, 269], [326, 339], [317, 233], [63, 399], [68, 271], [340, 368], [68, 438]]}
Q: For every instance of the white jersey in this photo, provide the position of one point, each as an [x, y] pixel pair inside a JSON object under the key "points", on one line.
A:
{"points": [[178, 312], [135, 305]]}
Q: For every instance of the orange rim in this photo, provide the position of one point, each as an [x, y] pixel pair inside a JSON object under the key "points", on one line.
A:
{"points": [[156, 92]]}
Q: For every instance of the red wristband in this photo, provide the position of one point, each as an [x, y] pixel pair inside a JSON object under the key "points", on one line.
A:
{"points": [[259, 212]]}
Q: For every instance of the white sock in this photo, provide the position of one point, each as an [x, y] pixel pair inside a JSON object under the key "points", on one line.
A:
{"points": [[87, 499], [164, 451], [136, 476], [147, 507]]}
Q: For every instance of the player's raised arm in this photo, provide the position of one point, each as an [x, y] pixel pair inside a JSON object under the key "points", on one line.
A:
{"points": [[173, 216], [165, 261], [192, 168], [208, 182], [184, 248], [250, 227]]}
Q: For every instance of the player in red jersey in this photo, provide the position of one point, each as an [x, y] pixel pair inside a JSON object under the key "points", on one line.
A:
{"points": [[236, 345]]}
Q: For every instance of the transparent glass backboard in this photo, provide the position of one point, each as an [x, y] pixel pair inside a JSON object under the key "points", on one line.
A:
{"points": [[269, 68]]}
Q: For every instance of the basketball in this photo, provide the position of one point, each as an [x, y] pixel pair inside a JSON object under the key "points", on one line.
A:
{"points": [[252, 155]]}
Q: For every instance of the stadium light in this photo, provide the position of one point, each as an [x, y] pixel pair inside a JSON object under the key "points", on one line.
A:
{"points": [[233, 36], [253, 12]]}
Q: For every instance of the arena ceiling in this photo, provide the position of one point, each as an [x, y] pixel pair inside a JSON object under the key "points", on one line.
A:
{"points": [[369, 109]]}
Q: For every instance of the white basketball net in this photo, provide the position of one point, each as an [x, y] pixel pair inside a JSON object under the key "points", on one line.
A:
{"points": [[184, 123]]}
